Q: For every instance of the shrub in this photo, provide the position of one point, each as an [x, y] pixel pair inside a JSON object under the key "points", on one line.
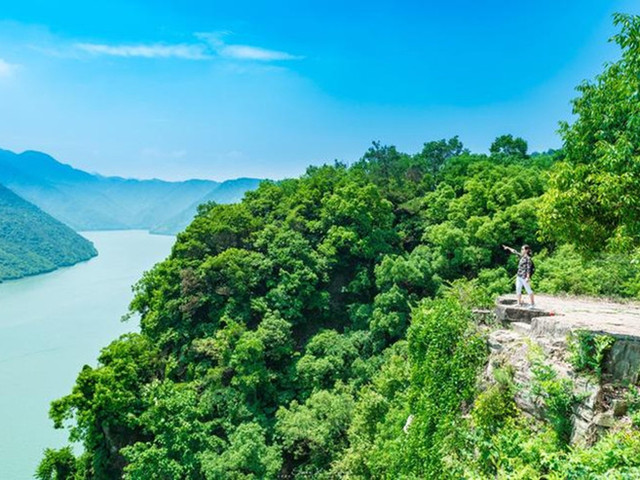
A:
{"points": [[587, 351]]}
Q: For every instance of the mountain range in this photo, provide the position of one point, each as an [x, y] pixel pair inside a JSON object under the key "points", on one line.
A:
{"points": [[87, 201], [33, 242]]}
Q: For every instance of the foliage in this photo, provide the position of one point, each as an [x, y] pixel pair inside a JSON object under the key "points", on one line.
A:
{"points": [[556, 394], [57, 465], [496, 405], [246, 457], [608, 274], [313, 433], [507, 145], [592, 200], [480, 291], [633, 404], [446, 353], [588, 350]]}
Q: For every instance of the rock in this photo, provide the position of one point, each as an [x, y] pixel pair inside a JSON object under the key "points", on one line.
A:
{"points": [[521, 327], [623, 362], [620, 407], [604, 419], [599, 404], [499, 339]]}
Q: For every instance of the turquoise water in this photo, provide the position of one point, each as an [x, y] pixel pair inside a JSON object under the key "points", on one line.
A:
{"points": [[50, 326]]}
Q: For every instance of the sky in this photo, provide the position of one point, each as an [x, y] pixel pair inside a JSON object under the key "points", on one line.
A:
{"points": [[219, 90]]}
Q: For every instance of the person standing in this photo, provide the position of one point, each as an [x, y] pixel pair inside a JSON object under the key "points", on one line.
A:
{"points": [[525, 272]]}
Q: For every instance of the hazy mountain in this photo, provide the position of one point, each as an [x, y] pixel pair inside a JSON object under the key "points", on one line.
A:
{"points": [[33, 242], [87, 201], [230, 191]]}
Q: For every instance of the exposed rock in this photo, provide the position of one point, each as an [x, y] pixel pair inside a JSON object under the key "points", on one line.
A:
{"points": [[600, 405], [620, 407], [623, 362], [604, 419]]}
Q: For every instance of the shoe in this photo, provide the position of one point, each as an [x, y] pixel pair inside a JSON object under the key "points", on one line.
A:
{"points": [[533, 305]]}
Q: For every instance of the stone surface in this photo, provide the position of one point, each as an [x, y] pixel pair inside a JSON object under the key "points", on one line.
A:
{"points": [[620, 319], [620, 407], [555, 317], [547, 327], [604, 419]]}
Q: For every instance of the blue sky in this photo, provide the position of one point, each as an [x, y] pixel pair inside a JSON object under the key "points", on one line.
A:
{"points": [[219, 90]]}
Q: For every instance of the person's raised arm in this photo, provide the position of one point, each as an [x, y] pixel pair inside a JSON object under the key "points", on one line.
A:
{"points": [[509, 249]]}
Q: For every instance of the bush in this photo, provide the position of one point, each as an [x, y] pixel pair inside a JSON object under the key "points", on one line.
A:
{"points": [[587, 351], [568, 271], [556, 395]]}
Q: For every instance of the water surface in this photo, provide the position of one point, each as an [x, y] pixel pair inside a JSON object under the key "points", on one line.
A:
{"points": [[53, 324]]}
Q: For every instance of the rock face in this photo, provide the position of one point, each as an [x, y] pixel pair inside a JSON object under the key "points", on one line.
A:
{"points": [[546, 328]]}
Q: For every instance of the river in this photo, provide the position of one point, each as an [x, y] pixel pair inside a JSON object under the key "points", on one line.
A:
{"points": [[50, 326]]}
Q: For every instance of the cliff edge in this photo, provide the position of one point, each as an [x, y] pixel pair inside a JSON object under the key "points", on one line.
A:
{"points": [[592, 344]]}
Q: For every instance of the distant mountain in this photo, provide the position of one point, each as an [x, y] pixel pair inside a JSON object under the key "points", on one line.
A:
{"points": [[33, 242], [87, 201], [230, 191]]}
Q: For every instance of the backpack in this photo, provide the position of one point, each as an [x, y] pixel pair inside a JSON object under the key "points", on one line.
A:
{"points": [[533, 266]]}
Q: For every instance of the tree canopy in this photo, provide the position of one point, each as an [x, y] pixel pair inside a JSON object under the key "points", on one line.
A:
{"points": [[593, 196]]}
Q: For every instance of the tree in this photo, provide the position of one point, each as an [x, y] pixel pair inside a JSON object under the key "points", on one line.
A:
{"points": [[436, 153], [247, 457], [57, 465], [508, 146], [593, 197]]}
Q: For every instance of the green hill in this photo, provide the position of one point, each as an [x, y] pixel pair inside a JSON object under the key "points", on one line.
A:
{"points": [[33, 242]]}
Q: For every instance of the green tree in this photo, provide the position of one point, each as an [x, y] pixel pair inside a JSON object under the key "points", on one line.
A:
{"points": [[593, 198], [57, 465], [314, 433], [246, 457], [436, 153], [509, 146]]}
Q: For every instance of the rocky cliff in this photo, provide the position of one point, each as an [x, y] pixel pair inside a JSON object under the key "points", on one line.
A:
{"points": [[591, 345]]}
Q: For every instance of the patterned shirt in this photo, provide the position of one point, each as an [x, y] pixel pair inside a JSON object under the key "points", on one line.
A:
{"points": [[525, 266]]}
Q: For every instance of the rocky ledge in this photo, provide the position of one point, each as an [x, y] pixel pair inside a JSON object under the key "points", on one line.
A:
{"points": [[547, 328]]}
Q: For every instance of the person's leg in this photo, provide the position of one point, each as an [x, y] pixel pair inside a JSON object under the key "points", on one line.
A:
{"points": [[519, 289], [527, 287]]}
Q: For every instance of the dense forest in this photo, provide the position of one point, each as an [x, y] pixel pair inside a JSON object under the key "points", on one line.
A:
{"points": [[292, 334], [32, 242]]}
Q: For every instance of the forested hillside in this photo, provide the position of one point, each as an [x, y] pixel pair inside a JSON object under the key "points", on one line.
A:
{"points": [[292, 334], [32, 242], [87, 201]]}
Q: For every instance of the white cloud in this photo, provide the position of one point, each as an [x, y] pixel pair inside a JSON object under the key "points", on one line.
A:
{"points": [[210, 45], [242, 52], [7, 69], [246, 52], [155, 50]]}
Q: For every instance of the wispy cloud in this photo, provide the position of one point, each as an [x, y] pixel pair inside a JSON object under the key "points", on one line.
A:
{"points": [[154, 50], [209, 45], [246, 52], [7, 69]]}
